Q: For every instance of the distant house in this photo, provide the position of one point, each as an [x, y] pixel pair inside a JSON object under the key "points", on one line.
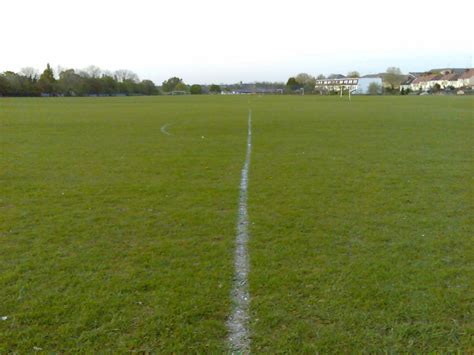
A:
{"points": [[425, 82], [466, 79], [446, 78], [406, 84]]}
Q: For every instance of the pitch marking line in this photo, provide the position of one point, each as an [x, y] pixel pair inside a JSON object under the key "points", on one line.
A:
{"points": [[237, 324], [163, 129]]}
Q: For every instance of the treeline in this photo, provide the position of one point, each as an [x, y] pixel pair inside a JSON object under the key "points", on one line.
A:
{"points": [[69, 82], [92, 81]]}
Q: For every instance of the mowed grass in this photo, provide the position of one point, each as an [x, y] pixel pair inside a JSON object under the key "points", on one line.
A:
{"points": [[362, 224], [113, 234], [116, 236]]}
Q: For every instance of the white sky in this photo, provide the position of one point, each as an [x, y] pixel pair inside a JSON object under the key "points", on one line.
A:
{"points": [[205, 41]]}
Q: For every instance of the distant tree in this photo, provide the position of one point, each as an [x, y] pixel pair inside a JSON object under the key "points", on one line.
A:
{"points": [[70, 83], [291, 81], [196, 89], [215, 89], [13, 84], [393, 76], [94, 85], [292, 84], [108, 84], [147, 87], [436, 88], [128, 87], [4, 87], [353, 74], [320, 77], [305, 79], [402, 91], [47, 82], [19, 84], [181, 87], [30, 73], [122, 75], [374, 88], [29, 77], [92, 71], [170, 84]]}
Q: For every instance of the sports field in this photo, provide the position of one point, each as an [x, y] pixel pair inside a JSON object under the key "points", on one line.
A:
{"points": [[118, 223]]}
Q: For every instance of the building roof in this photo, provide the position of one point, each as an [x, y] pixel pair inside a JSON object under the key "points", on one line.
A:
{"points": [[425, 78], [409, 78], [468, 73], [450, 70], [450, 77], [336, 76], [380, 75]]}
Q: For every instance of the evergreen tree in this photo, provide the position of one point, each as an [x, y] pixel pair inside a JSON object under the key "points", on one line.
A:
{"points": [[47, 81]]}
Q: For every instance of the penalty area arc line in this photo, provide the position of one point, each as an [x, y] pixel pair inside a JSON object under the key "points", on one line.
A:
{"points": [[163, 129]]}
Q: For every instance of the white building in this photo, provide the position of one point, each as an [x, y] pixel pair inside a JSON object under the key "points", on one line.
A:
{"points": [[357, 86], [447, 81]]}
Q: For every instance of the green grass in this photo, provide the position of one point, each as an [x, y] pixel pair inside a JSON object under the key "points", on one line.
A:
{"points": [[362, 225], [115, 236]]}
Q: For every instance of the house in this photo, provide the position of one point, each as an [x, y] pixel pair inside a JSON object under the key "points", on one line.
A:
{"points": [[406, 84], [466, 79], [445, 78], [448, 80], [424, 82]]}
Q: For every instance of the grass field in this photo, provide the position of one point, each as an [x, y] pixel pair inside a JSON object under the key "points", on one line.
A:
{"points": [[117, 236]]}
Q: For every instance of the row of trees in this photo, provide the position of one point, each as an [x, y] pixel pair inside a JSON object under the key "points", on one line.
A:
{"points": [[70, 82], [176, 84], [90, 81]]}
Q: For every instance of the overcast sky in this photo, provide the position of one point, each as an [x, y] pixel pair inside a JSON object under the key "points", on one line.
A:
{"points": [[205, 41]]}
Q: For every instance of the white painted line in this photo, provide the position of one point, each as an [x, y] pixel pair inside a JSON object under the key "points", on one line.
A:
{"points": [[237, 324], [163, 129]]}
